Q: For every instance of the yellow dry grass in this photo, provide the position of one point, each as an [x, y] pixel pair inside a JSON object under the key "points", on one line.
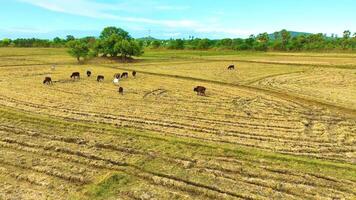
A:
{"points": [[249, 138]]}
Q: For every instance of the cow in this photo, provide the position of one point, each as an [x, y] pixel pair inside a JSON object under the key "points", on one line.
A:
{"points": [[121, 90], [47, 81], [100, 78], [75, 75], [200, 90], [134, 73], [117, 76], [231, 67], [88, 73], [116, 80], [125, 75]]}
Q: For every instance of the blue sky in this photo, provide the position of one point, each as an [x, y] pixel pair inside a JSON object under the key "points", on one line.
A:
{"points": [[174, 18]]}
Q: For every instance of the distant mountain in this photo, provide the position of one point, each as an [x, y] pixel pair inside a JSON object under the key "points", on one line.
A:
{"points": [[149, 38], [293, 34]]}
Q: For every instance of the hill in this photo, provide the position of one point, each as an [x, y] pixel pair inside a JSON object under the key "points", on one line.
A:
{"points": [[293, 34]]}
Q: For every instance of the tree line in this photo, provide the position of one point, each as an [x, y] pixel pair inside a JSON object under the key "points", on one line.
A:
{"points": [[116, 42], [113, 42], [279, 41]]}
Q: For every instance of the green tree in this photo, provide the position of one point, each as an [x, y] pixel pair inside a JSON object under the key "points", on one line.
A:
{"points": [[286, 36], [276, 35], [5, 42], [70, 38], [250, 42], [128, 48], [78, 49], [262, 40], [346, 34], [203, 44], [109, 31], [155, 44], [176, 44]]}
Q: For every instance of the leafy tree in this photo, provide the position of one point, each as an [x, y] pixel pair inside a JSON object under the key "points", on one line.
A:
{"points": [[155, 44], [346, 34], [250, 42], [5, 42], [239, 44], [128, 48], [286, 36], [203, 44], [70, 38], [109, 31], [225, 43], [176, 44], [263, 40], [276, 35], [78, 49]]}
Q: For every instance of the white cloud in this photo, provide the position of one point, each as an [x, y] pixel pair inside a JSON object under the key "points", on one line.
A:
{"points": [[97, 10]]}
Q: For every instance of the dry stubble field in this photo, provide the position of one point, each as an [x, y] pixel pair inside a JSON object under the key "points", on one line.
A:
{"points": [[280, 126]]}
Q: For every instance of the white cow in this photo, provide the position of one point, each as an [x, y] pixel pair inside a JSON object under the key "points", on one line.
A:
{"points": [[116, 81]]}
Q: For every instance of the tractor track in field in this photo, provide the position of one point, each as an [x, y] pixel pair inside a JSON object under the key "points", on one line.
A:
{"points": [[314, 147], [142, 173], [167, 123], [52, 151], [278, 94], [285, 96], [350, 66], [310, 151]]}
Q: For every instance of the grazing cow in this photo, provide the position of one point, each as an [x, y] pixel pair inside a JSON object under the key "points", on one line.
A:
{"points": [[47, 81], [200, 90], [116, 80], [75, 75], [88, 73], [134, 73], [231, 67], [100, 78], [125, 75], [121, 90], [117, 76]]}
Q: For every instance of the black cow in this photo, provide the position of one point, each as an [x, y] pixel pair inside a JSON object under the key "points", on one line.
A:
{"points": [[125, 75], [121, 90], [75, 75], [47, 81], [200, 90], [231, 67], [100, 78], [88, 73], [134, 73]]}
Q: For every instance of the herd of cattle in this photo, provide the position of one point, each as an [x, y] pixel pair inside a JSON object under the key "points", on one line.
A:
{"points": [[200, 90]]}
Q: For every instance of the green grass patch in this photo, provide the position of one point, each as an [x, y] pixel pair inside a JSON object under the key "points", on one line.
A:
{"points": [[108, 187]]}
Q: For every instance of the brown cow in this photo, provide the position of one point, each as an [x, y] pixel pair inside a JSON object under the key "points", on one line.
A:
{"points": [[117, 75], [134, 73], [47, 81], [75, 75], [100, 78], [125, 75], [231, 67], [200, 90], [121, 90]]}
